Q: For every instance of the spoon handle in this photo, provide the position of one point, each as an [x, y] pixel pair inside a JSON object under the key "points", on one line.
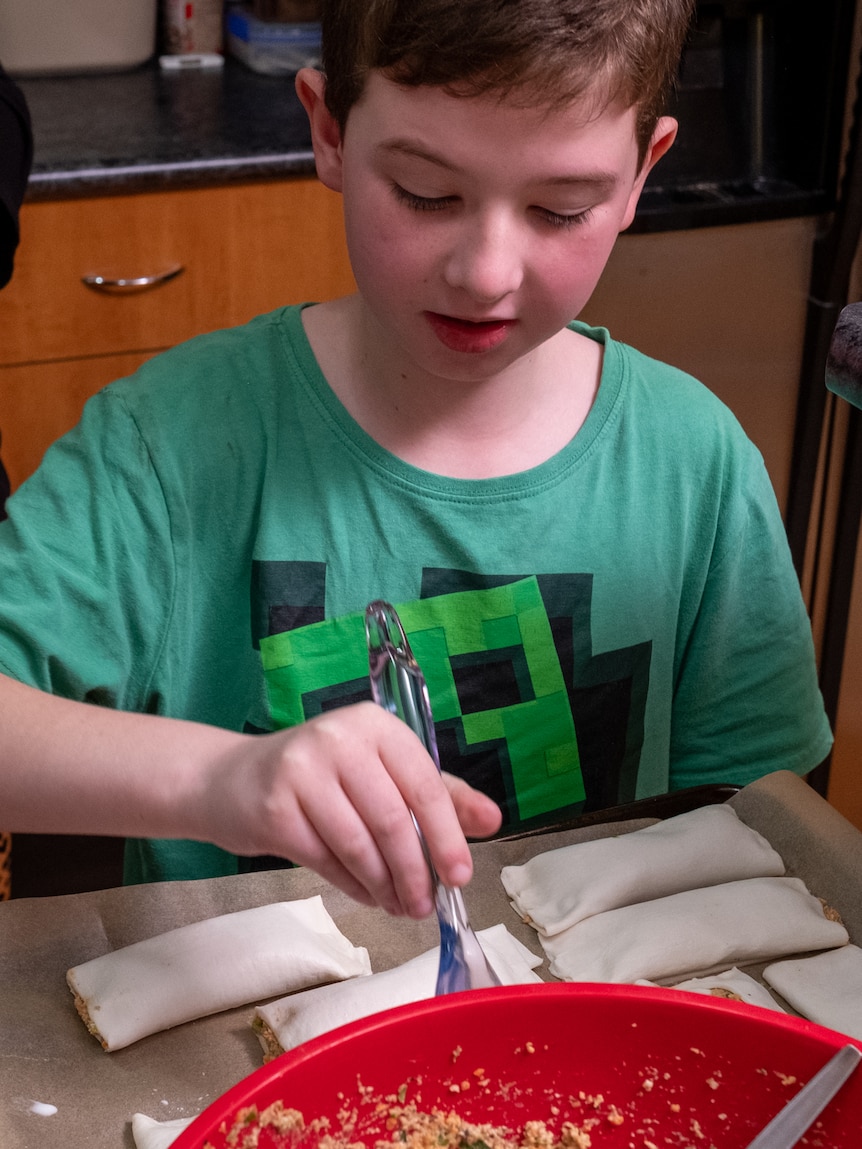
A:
{"points": [[398, 685], [788, 1125]]}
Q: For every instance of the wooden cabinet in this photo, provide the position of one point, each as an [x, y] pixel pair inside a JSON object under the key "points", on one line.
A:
{"points": [[845, 790], [243, 249], [726, 304]]}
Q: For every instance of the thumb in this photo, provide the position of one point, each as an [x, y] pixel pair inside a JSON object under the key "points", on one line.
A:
{"points": [[478, 814]]}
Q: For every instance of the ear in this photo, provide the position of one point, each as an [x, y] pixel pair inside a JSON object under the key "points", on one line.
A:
{"points": [[660, 143], [325, 133]]}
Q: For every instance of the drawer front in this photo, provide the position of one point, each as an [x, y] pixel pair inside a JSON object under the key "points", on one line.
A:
{"points": [[209, 258]]}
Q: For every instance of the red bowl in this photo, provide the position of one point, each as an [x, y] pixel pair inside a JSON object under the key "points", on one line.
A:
{"points": [[680, 1069]]}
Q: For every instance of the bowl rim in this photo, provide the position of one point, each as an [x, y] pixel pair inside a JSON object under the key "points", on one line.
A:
{"points": [[225, 1107]]}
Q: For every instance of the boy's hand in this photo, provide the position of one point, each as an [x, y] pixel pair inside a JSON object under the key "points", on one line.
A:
{"points": [[335, 794]]}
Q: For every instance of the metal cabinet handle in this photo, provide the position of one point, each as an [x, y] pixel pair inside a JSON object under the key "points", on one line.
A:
{"points": [[126, 285]]}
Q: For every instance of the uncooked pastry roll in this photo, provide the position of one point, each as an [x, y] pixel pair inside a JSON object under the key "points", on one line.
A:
{"points": [[826, 988], [283, 1024], [210, 966], [705, 847], [732, 984], [151, 1134], [697, 931]]}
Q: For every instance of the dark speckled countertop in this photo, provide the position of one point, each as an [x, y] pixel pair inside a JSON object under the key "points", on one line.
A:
{"points": [[151, 129]]}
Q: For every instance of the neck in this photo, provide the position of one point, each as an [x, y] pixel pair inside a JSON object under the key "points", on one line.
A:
{"points": [[487, 428]]}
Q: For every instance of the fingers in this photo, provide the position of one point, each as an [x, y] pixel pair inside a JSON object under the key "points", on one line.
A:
{"points": [[478, 814], [320, 840], [366, 828], [384, 773], [350, 778], [409, 786], [336, 794], [474, 814]]}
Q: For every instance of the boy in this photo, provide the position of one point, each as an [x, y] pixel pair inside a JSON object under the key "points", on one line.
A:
{"points": [[583, 546]]}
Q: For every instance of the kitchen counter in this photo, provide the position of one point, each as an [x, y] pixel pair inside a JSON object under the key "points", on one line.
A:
{"points": [[151, 129]]}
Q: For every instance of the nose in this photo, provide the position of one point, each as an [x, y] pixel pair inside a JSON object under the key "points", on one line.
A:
{"points": [[484, 259]]}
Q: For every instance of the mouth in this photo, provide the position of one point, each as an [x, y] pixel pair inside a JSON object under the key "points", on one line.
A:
{"points": [[469, 336]]}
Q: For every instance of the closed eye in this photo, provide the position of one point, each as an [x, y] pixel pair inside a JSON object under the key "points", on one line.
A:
{"points": [[439, 203], [557, 219], [421, 202]]}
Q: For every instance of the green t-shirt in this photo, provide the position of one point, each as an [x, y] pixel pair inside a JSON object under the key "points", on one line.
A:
{"points": [[621, 620]]}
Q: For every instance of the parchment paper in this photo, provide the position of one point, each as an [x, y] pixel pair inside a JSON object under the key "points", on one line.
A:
{"points": [[47, 1057]]}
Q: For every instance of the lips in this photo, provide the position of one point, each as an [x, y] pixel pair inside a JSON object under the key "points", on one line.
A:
{"points": [[467, 336]]}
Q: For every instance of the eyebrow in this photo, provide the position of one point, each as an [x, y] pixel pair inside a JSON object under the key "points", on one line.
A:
{"points": [[598, 180]]}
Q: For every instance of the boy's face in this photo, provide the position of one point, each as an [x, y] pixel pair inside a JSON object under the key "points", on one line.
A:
{"points": [[477, 229]]}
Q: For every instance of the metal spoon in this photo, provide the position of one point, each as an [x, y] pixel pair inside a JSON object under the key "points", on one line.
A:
{"points": [[397, 684], [788, 1125]]}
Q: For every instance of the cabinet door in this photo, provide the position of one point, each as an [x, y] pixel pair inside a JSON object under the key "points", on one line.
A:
{"points": [[243, 249], [726, 304], [41, 402]]}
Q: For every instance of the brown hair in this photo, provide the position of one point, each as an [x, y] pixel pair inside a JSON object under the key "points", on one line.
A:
{"points": [[536, 51]]}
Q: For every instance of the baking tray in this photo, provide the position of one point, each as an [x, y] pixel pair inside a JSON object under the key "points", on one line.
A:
{"points": [[46, 1055]]}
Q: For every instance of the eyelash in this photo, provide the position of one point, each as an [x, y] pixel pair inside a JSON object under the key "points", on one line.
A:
{"points": [[566, 221], [427, 203], [421, 203]]}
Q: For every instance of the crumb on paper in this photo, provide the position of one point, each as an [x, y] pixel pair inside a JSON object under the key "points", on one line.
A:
{"points": [[42, 1109]]}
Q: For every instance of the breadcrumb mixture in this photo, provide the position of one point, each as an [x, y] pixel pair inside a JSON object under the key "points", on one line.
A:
{"points": [[408, 1126], [437, 1129], [368, 1119]]}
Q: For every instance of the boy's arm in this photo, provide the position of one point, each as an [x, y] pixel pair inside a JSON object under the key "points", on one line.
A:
{"points": [[333, 794]]}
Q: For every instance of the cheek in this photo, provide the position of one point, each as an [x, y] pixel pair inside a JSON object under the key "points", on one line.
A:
{"points": [[383, 269], [570, 276], [386, 258], [581, 265]]}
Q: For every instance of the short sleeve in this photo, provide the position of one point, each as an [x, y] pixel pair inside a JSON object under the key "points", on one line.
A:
{"points": [[747, 699], [86, 566]]}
